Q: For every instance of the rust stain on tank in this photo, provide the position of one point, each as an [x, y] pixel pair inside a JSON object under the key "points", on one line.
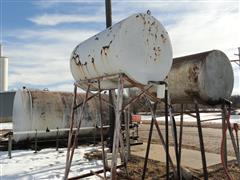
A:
{"points": [[143, 18], [86, 67], [193, 73], [106, 48], [164, 39], [76, 59], [94, 66]]}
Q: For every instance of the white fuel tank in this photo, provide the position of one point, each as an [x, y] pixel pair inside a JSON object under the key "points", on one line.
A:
{"points": [[44, 110], [138, 46]]}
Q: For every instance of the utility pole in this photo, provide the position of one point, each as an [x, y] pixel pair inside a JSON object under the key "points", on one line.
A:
{"points": [[108, 9], [237, 61]]}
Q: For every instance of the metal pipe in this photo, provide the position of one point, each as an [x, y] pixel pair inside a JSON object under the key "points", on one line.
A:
{"points": [[55, 130], [91, 173]]}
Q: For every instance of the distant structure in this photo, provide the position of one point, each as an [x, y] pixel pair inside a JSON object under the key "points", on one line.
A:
{"points": [[3, 71]]}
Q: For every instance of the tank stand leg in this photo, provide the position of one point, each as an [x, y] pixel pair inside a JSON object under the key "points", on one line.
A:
{"points": [[230, 130], [153, 110], [174, 134], [35, 142], [75, 133], [166, 131], [10, 145], [204, 163], [118, 111], [57, 139], [101, 131], [224, 116], [180, 135], [70, 136]]}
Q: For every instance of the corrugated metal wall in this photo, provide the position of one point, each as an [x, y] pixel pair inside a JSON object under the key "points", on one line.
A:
{"points": [[6, 106]]}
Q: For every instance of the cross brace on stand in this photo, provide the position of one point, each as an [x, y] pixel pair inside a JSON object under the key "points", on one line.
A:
{"points": [[165, 145], [73, 134], [227, 125]]}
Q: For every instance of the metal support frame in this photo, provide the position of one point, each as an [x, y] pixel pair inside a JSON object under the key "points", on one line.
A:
{"points": [[230, 130], [10, 135], [166, 132], [57, 139], [165, 144], [204, 163], [116, 138], [35, 142], [175, 139], [153, 111], [180, 135], [224, 125], [101, 125], [119, 109]]}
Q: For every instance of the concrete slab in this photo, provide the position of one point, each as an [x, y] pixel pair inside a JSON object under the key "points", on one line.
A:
{"points": [[190, 158]]}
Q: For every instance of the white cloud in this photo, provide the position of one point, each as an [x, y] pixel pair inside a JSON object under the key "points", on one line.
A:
{"points": [[55, 19], [63, 35]]}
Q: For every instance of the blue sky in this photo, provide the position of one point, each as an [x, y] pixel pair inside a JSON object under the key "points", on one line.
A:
{"points": [[38, 36]]}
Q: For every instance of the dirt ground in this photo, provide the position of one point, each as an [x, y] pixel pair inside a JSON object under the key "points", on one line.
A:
{"points": [[212, 140], [156, 170]]}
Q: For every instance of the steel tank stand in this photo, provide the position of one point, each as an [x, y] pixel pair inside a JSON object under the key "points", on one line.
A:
{"points": [[204, 163]]}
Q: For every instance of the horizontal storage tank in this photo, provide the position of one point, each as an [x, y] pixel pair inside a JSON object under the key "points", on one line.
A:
{"points": [[44, 110], [206, 77], [138, 46]]}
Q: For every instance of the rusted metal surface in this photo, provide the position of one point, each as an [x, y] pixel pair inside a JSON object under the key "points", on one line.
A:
{"points": [[126, 47], [207, 77], [42, 110]]}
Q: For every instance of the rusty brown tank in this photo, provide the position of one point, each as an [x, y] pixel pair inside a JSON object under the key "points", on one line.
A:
{"points": [[205, 77]]}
